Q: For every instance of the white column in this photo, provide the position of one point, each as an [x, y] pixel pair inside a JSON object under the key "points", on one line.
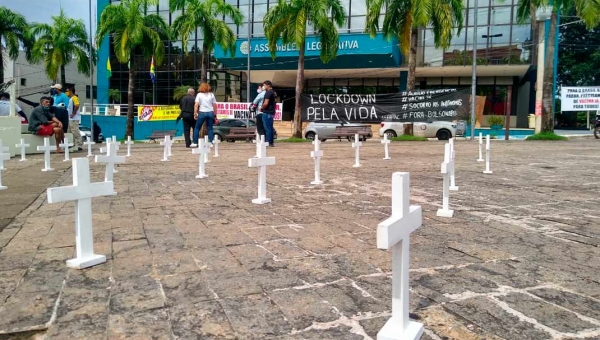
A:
{"points": [[487, 155], [22, 145]]}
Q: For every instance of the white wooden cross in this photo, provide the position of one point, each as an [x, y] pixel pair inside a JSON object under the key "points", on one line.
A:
{"points": [[394, 233], [46, 148], [66, 145], [207, 142], [487, 155], [3, 149], [3, 157], [82, 191], [22, 145], [167, 145], [446, 171], [356, 145], [89, 144], [257, 141], [480, 159], [202, 150], [316, 155], [453, 186], [110, 159], [216, 142], [129, 143], [108, 141], [386, 145], [261, 161]]}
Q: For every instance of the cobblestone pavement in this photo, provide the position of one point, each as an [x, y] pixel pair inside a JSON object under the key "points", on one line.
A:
{"points": [[195, 259]]}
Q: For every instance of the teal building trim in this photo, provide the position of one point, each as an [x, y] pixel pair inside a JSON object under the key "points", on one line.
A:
{"points": [[102, 81]]}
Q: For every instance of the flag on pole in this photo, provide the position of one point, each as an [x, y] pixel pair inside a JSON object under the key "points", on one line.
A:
{"points": [[108, 69], [152, 74]]}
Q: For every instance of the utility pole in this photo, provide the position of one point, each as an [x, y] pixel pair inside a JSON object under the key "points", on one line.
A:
{"points": [[91, 77], [542, 14], [248, 61], [474, 74]]}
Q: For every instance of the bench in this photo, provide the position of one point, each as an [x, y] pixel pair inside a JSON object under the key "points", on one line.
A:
{"points": [[11, 132], [349, 132], [241, 133], [160, 134]]}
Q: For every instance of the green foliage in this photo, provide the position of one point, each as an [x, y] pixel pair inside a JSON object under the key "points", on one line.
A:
{"points": [[180, 92], [408, 138], [289, 20], [493, 136], [546, 136], [495, 120], [114, 95], [294, 140], [13, 34], [58, 44]]}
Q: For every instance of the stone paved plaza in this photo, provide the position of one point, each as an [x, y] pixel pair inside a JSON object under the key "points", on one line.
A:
{"points": [[195, 259]]}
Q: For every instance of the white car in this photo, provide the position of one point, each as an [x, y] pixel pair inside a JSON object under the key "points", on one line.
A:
{"points": [[440, 130]]}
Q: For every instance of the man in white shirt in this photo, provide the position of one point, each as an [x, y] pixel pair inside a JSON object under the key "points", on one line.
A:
{"points": [[5, 108], [74, 118]]}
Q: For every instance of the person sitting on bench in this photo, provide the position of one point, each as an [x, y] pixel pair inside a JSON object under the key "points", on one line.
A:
{"points": [[43, 123]]}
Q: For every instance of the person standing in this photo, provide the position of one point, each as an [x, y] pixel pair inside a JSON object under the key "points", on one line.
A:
{"points": [[258, 101], [5, 108], [268, 110], [187, 115], [204, 111], [74, 118], [43, 123], [60, 99]]}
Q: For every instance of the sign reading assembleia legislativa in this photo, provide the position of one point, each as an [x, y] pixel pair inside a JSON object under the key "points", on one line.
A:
{"points": [[413, 106]]}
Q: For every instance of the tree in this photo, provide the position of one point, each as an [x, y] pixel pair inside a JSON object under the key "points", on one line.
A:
{"points": [[59, 44], [13, 34], [402, 19], [588, 11], [288, 21], [180, 92], [114, 95], [133, 33], [208, 17]]}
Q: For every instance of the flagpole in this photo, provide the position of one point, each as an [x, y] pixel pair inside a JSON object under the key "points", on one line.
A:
{"points": [[91, 78]]}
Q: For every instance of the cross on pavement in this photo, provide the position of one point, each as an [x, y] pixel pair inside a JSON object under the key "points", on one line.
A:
{"points": [[446, 170], [203, 149], [82, 191], [129, 143], [261, 161], [110, 160], [22, 145], [386, 145], [356, 145], [316, 154], [394, 233], [66, 145], [46, 148]]}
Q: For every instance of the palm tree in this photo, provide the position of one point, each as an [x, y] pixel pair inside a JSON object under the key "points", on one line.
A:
{"points": [[114, 95], [208, 16], [180, 92], [588, 11], [59, 44], [288, 21], [13, 32], [133, 33], [403, 18]]}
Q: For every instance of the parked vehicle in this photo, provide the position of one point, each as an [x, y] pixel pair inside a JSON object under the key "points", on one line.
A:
{"points": [[222, 128], [440, 129], [597, 125], [86, 133], [325, 129]]}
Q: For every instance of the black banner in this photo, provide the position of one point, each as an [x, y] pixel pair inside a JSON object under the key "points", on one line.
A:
{"points": [[414, 106]]}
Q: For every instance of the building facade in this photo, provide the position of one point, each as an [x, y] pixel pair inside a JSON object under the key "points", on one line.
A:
{"points": [[363, 65]]}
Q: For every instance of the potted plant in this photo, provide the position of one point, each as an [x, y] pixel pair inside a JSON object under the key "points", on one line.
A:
{"points": [[496, 122]]}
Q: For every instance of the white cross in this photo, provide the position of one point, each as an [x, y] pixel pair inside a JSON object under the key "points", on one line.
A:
{"points": [[216, 142], [82, 191], [386, 145], [446, 171], [356, 145], [129, 144], [2, 159], [202, 150], [261, 161], [110, 159], [257, 141], [206, 159], [46, 148], [316, 155], [167, 146], [487, 155], [22, 146], [394, 233], [480, 159], [108, 141], [453, 186], [89, 144], [65, 145]]}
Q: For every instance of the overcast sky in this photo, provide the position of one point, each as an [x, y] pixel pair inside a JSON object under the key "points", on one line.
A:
{"points": [[43, 10]]}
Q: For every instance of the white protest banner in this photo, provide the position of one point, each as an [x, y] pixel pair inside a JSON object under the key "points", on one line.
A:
{"points": [[241, 111], [580, 98]]}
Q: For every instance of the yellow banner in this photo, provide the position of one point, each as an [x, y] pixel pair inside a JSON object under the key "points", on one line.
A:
{"points": [[148, 113]]}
